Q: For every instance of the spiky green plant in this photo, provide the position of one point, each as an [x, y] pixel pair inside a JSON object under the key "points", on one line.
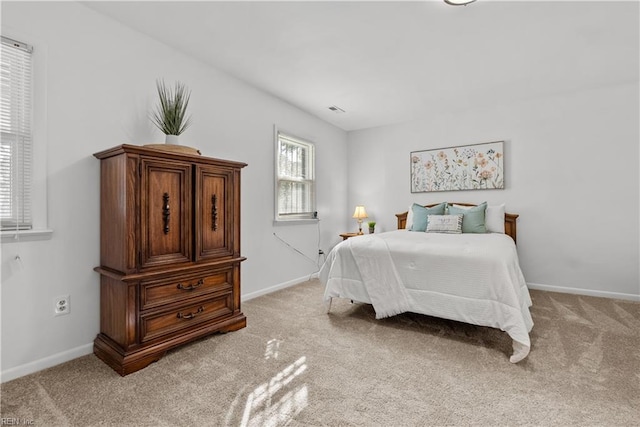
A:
{"points": [[170, 114]]}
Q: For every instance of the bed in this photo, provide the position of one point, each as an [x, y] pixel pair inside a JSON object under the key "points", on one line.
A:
{"points": [[468, 277]]}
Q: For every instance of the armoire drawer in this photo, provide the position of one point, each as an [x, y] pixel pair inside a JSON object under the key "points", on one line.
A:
{"points": [[162, 292], [157, 324]]}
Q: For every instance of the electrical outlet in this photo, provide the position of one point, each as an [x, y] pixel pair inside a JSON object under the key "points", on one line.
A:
{"points": [[62, 305]]}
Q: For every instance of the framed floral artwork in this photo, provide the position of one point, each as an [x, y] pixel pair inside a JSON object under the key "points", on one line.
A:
{"points": [[467, 167]]}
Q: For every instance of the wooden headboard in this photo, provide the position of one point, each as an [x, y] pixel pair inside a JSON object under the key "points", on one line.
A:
{"points": [[509, 220]]}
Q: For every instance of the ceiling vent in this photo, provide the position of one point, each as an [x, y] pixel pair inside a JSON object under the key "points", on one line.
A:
{"points": [[336, 109]]}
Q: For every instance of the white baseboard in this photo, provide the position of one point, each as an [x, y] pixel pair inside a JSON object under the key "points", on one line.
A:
{"points": [[44, 363], [252, 295], [580, 291]]}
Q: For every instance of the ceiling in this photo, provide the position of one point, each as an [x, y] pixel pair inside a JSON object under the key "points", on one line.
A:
{"points": [[390, 62]]}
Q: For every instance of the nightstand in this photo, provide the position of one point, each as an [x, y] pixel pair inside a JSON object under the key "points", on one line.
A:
{"points": [[345, 236]]}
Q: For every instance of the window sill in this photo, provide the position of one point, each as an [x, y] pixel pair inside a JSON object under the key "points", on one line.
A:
{"points": [[295, 221], [25, 235]]}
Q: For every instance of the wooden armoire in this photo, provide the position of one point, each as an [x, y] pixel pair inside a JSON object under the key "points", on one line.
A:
{"points": [[169, 252]]}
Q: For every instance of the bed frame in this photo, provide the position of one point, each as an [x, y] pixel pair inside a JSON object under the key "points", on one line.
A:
{"points": [[509, 220]]}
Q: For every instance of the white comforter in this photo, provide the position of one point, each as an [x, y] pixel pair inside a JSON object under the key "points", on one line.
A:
{"points": [[472, 278]]}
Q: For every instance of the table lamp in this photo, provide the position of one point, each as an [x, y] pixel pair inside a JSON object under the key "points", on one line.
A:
{"points": [[359, 214]]}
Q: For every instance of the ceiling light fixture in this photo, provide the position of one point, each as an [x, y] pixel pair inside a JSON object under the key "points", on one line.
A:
{"points": [[458, 2]]}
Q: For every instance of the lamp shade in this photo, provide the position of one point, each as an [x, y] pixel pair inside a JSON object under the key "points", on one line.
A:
{"points": [[360, 212]]}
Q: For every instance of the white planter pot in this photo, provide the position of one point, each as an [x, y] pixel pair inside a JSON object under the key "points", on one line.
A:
{"points": [[172, 139]]}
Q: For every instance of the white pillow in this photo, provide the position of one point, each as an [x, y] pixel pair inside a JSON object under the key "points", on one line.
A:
{"points": [[493, 217], [409, 221], [444, 224]]}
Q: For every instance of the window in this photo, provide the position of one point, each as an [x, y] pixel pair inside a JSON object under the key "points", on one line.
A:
{"points": [[16, 150], [295, 178]]}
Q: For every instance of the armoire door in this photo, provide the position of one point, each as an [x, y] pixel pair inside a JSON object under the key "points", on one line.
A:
{"points": [[214, 212], [165, 212]]}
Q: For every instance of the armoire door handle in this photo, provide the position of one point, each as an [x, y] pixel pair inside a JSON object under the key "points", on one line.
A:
{"points": [[214, 212], [165, 212]]}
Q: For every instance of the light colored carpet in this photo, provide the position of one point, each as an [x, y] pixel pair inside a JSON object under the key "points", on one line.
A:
{"points": [[295, 365]]}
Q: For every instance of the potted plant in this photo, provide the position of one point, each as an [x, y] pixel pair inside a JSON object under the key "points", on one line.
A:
{"points": [[170, 114], [372, 226]]}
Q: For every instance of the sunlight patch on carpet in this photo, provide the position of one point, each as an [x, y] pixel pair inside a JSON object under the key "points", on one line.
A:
{"points": [[271, 352], [277, 400]]}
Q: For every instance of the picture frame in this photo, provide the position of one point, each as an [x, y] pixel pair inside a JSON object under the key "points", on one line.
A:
{"points": [[464, 167]]}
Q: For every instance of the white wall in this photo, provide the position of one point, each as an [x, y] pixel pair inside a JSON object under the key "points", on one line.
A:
{"points": [[100, 88], [571, 165]]}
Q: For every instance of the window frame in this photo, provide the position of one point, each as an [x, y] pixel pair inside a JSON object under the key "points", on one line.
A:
{"points": [[17, 136], [40, 229], [309, 179]]}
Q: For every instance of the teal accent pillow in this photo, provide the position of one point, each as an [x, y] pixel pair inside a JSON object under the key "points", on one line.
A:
{"points": [[421, 215], [472, 218]]}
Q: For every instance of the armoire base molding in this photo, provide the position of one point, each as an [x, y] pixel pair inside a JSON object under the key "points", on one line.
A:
{"points": [[125, 363]]}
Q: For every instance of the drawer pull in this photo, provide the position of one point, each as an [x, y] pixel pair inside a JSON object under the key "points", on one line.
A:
{"points": [[192, 315], [191, 286]]}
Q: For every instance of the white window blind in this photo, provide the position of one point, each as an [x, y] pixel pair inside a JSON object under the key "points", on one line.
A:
{"points": [[16, 148], [295, 180]]}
